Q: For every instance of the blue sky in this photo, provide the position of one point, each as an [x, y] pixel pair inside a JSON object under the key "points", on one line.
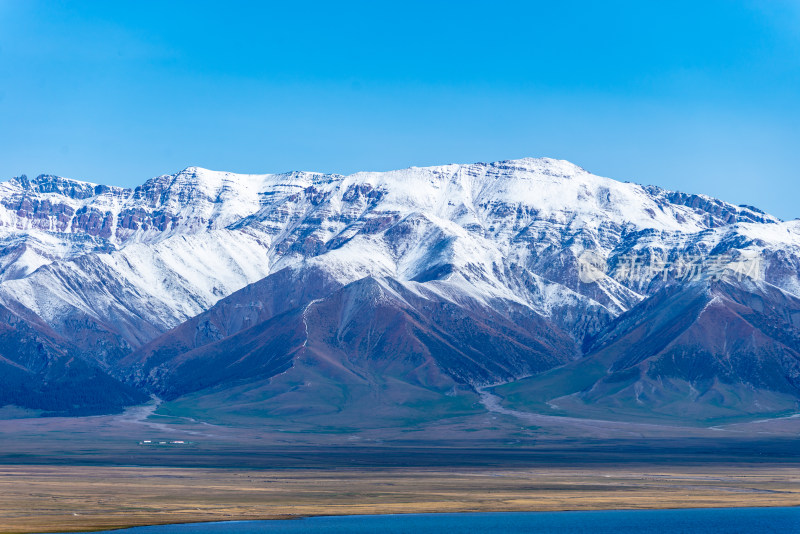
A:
{"points": [[697, 96]]}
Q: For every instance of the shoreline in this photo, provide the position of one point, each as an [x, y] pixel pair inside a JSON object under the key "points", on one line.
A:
{"points": [[294, 518]]}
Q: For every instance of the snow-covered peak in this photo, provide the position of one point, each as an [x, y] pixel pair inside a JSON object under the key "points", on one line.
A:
{"points": [[515, 208], [469, 194], [508, 232], [45, 184], [535, 188]]}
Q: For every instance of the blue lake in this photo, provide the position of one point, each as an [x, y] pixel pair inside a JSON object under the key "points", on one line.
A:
{"points": [[707, 521]]}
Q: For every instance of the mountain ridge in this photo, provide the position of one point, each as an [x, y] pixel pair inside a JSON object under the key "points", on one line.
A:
{"points": [[534, 241]]}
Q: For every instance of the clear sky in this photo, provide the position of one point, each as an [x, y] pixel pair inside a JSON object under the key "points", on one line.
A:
{"points": [[697, 96]]}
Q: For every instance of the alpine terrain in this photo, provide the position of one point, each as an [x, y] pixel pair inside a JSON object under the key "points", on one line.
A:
{"points": [[388, 299]]}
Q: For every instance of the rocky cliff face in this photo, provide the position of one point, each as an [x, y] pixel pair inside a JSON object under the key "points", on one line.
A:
{"points": [[533, 242]]}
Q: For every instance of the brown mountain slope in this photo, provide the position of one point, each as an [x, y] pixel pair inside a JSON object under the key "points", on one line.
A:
{"points": [[702, 351], [374, 345]]}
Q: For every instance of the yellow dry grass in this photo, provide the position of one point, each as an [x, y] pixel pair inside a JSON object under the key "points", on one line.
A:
{"points": [[57, 499]]}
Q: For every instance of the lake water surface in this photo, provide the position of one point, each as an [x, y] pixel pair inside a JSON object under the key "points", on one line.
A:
{"points": [[709, 521]]}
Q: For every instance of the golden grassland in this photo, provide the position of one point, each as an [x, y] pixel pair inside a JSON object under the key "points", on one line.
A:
{"points": [[69, 498]]}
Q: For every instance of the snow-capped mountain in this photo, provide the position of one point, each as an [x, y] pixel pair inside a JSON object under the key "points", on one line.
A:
{"points": [[536, 252]]}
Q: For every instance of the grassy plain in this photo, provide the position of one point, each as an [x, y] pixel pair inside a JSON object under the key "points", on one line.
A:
{"points": [[74, 498], [79, 474]]}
